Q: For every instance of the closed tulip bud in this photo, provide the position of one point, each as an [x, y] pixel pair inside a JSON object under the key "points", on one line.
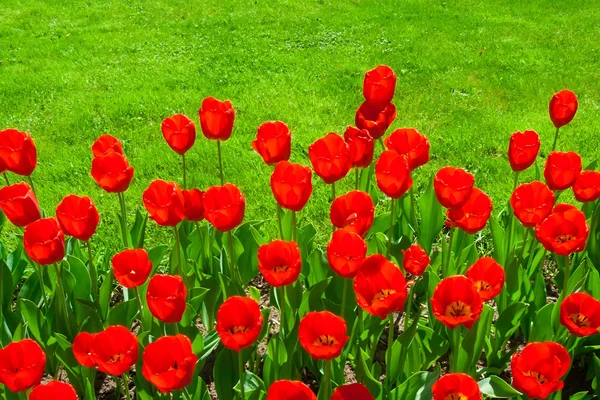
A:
{"points": [[19, 204], [273, 142], [216, 118], [180, 133], [78, 216], [44, 241], [164, 202], [17, 152]]}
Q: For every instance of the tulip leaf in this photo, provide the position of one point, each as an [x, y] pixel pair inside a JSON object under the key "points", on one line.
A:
{"points": [[541, 329], [247, 258], [497, 388], [6, 285], [417, 387], [253, 386], [226, 373], [123, 313], [432, 344], [317, 268], [156, 255], [364, 376], [581, 396], [311, 298], [105, 293], [498, 239], [35, 321], [432, 218], [473, 341], [508, 322]]}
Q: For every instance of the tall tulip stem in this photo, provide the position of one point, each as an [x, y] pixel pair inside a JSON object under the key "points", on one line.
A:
{"points": [[294, 227], [235, 274], [516, 181], [282, 313], [456, 350], [279, 221], [344, 292], [447, 263], [566, 276], [357, 178], [6, 179], [139, 303], [178, 251], [388, 352], [555, 139], [123, 220], [126, 386], [525, 237], [413, 210], [327, 379], [220, 162], [391, 232], [42, 287], [31, 184], [241, 369], [333, 191], [93, 275], [63, 302], [184, 171]]}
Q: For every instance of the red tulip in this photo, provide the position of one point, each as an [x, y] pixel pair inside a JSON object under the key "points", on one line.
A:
{"points": [[361, 146], [330, 158], [380, 286], [53, 390], [564, 231], [78, 216], [322, 335], [537, 369], [393, 174], [44, 241], [580, 314], [375, 118], [563, 107], [379, 85], [488, 277], [353, 212], [112, 172], [82, 349], [131, 267], [164, 202], [179, 132], [216, 118], [456, 301], [415, 260], [17, 152], [273, 142], [169, 363], [453, 186], [22, 365], [193, 207], [106, 144], [19, 204], [352, 391], [115, 350], [291, 185], [562, 170], [531, 203], [587, 186], [224, 206], [523, 149], [345, 253], [456, 387], [279, 262], [290, 390], [472, 216], [410, 143], [166, 298], [239, 322]]}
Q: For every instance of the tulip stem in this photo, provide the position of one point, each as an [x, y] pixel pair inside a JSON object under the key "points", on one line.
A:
{"points": [[186, 394], [184, 171], [391, 232], [282, 313], [555, 139], [31, 184], [241, 370], [516, 181], [41, 279], [327, 379], [413, 210], [93, 274], [123, 220], [456, 349], [459, 254], [178, 252], [126, 386], [22, 395], [447, 266], [220, 162], [567, 274], [344, 291], [63, 301], [234, 274], [139, 303], [409, 304], [333, 191], [295, 227], [525, 237], [6, 179], [357, 178], [279, 220], [388, 352]]}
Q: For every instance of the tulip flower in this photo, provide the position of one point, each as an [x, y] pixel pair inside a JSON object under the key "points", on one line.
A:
{"points": [[410, 143], [345, 252], [330, 158], [473, 215], [112, 172], [353, 211], [375, 118], [44, 241], [78, 217], [82, 349], [322, 335], [453, 186], [273, 142], [415, 260], [361, 146], [180, 133], [488, 277], [216, 121], [379, 85], [587, 186], [17, 152], [564, 231], [224, 206], [164, 202], [279, 262], [456, 302], [22, 365], [239, 322], [115, 350], [523, 149], [19, 204], [193, 207], [562, 170], [580, 314], [532, 202], [106, 144], [166, 298], [131, 267], [563, 107], [291, 185], [352, 391], [53, 390], [290, 390], [169, 362], [456, 386]]}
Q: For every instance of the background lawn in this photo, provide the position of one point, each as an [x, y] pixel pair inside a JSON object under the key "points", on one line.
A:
{"points": [[469, 74]]}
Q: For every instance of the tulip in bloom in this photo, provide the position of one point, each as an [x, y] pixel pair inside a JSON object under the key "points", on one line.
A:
{"points": [[456, 387], [17, 152], [523, 149], [380, 286], [44, 241], [580, 314], [488, 277], [169, 363], [78, 216], [192, 202], [166, 298], [290, 390], [453, 186], [330, 158], [322, 335], [393, 174], [537, 369], [19, 204], [112, 172], [562, 170], [532, 202], [291, 185], [587, 186], [279, 262], [273, 142], [375, 118], [563, 107], [106, 144], [53, 390], [564, 231], [115, 350], [224, 206], [179, 132], [472, 216], [131, 267], [22, 365], [410, 143], [456, 302], [345, 252], [352, 391], [216, 118], [379, 85], [353, 212], [415, 260], [361, 146], [239, 322], [164, 202], [82, 349]]}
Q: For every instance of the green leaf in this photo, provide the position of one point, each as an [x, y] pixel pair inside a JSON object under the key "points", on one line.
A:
{"points": [[417, 387], [496, 388], [226, 374], [498, 239], [473, 341], [35, 321], [541, 329], [364, 376], [432, 217]]}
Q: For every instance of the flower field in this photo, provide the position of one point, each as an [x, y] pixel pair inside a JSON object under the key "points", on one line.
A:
{"points": [[438, 298]]}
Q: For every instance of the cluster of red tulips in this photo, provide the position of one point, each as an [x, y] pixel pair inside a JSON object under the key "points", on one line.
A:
{"points": [[437, 310]]}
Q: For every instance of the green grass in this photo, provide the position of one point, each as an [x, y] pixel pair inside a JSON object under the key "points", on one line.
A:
{"points": [[469, 74]]}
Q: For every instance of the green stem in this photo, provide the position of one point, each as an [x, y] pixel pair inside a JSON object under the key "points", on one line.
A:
{"points": [[282, 312], [555, 139], [184, 171], [6, 179], [525, 237], [333, 191], [570, 343], [119, 390], [357, 178], [456, 349], [391, 232], [31, 184], [344, 291], [241, 370], [327, 379], [516, 181], [294, 227], [93, 274], [178, 251], [220, 162], [22, 395], [42, 288], [567, 275], [447, 263], [388, 353], [279, 221], [123, 220], [413, 210], [460, 250], [234, 274], [63, 301], [186, 394], [409, 304], [126, 386], [532, 251], [140, 307]]}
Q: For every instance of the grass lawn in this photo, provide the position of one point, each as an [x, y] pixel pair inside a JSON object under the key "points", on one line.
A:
{"points": [[469, 74]]}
